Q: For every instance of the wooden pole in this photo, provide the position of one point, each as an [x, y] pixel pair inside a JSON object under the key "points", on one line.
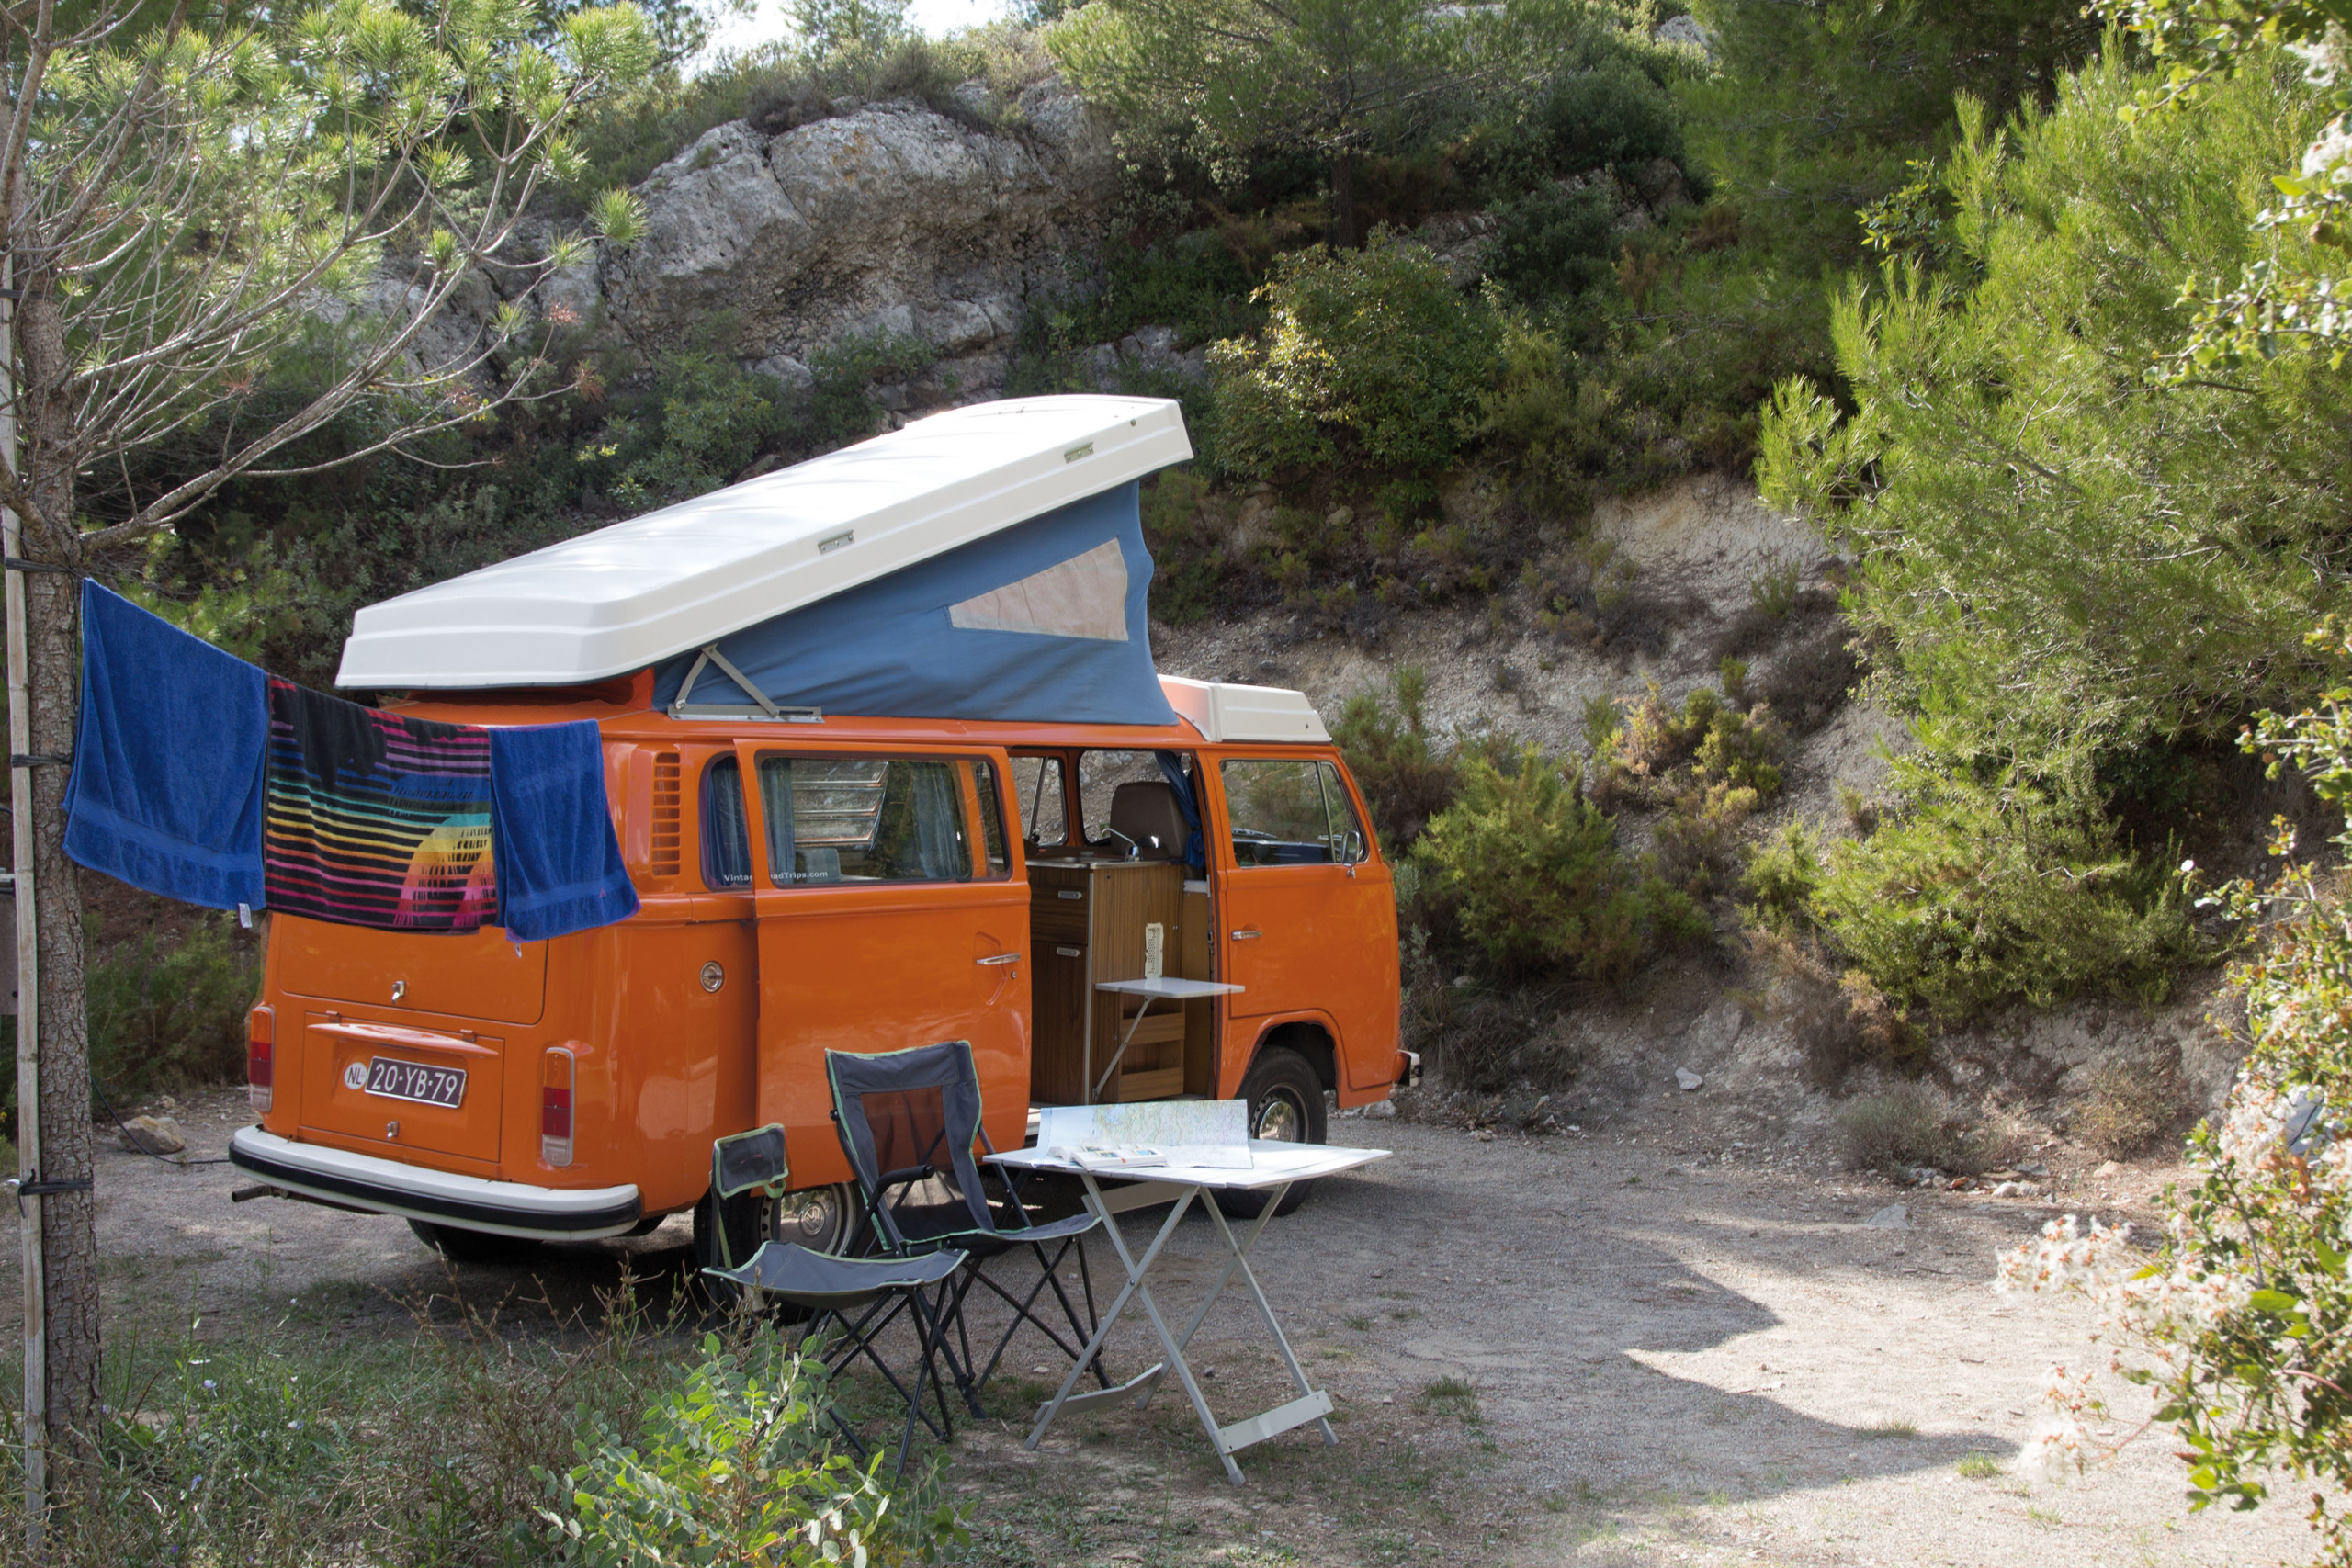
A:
{"points": [[20, 810]]}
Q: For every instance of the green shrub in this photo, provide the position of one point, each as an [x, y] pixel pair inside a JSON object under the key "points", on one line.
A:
{"points": [[1976, 895], [1375, 350], [1611, 118], [1783, 873], [1404, 777], [735, 1467], [166, 1017], [1662, 755], [706, 418], [1557, 242], [1532, 874]]}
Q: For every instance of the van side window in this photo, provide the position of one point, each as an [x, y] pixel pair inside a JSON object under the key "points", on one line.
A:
{"points": [[726, 839], [862, 819], [984, 784], [1037, 786], [1281, 814], [1349, 843]]}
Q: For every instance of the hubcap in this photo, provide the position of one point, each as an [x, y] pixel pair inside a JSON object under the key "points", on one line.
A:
{"points": [[812, 1218], [1278, 1121]]}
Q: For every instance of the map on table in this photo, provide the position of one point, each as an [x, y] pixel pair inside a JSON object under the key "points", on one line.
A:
{"points": [[1211, 1132]]}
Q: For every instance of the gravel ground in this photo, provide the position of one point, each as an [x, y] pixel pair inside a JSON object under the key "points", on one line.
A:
{"points": [[1552, 1350]]}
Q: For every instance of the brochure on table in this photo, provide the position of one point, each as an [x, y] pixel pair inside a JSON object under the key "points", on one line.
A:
{"points": [[1204, 1133]]}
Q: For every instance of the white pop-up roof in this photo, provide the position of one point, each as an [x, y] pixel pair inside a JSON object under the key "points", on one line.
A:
{"points": [[636, 593]]}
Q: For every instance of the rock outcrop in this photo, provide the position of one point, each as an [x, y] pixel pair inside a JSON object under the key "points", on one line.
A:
{"points": [[892, 219]]}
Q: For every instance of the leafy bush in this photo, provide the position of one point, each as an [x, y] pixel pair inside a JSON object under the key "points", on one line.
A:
{"points": [[708, 419], [1608, 119], [1533, 873], [1662, 755], [2239, 1322], [1554, 241], [1374, 351], [1404, 777], [166, 1017], [1975, 895], [1783, 873], [735, 1466]]}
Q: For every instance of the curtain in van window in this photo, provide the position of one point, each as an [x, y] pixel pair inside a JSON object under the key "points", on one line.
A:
{"points": [[939, 807], [862, 819], [726, 834]]}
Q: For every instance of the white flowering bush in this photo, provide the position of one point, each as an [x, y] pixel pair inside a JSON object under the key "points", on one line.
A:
{"points": [[2241, 1320]]}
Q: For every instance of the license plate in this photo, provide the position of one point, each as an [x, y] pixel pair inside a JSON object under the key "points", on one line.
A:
{"points": [[415, 1081]]}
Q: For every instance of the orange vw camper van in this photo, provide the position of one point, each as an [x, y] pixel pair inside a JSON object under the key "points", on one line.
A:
{"points": [[817, 875]]}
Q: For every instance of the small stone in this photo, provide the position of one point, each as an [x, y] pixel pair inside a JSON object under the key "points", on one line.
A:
{"points": [[2034, 1169], [1380, 1110], [2106, 1169], [1483, 1135], [1893, 1217], [1338, 517], [152, 1136], [2012, 1189], [1687, 1078]]}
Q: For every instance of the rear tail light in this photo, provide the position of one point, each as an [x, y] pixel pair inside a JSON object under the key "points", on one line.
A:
{"points": [[557, 1075], [261, 1052]]}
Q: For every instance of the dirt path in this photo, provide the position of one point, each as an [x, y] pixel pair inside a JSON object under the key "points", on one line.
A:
{"points": [[1545, 1351]]}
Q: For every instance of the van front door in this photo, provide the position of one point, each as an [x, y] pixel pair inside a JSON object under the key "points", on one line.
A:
{"points": [[1309, 916], [889, 916]]}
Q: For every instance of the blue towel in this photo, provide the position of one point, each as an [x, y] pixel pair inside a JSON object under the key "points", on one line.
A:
{"points": [[167, 791], [551, 832]]}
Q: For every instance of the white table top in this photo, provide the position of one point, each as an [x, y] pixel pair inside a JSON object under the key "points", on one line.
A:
{"points": [[1169, 987], [1271, 1164]]}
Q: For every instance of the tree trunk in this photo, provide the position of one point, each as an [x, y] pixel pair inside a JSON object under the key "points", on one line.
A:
{"points": [[1343, 200], [69, 1220], [52, 604]]}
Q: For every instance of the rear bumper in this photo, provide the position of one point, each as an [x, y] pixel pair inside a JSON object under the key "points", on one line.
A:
{"points": [[1409, 1069], [388, 1186]]}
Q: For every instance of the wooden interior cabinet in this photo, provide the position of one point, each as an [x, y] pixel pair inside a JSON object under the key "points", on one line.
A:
{"points": [[1087, 923]]}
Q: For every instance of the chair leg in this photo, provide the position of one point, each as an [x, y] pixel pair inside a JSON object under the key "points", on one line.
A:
{"points": [[932, 1326], [1055, 1274]]}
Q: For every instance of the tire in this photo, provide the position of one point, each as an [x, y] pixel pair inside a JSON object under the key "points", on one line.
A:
{"points": [[461, 1246], [1285, 1102], [822, 1219]]}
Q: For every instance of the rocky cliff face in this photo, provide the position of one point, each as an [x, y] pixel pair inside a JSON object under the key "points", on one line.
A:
{"points": [[890, 219]]}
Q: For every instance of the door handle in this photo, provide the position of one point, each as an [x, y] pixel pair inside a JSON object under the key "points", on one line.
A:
{"points": [[1000, 958], [1249, 934]]}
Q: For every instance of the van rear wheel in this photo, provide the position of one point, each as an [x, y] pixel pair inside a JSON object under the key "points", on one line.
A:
{"points": [[461, 1246], [822, 1219], [1285, 1106]]}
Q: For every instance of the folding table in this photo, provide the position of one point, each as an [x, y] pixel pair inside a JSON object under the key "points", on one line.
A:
{"points": [[1274, 1165], [1166, 987]]}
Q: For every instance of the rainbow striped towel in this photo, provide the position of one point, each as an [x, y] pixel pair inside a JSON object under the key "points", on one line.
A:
{"points": [[374, 820]]}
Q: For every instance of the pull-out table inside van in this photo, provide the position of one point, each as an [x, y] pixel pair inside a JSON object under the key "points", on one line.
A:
{"points": [[1273, 1168]]}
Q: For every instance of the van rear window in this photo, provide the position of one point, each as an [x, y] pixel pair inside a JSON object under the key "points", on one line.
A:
{"points": [[862, 819]]}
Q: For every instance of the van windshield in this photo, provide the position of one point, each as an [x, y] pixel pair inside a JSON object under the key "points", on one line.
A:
{"points": [[856, 819]]}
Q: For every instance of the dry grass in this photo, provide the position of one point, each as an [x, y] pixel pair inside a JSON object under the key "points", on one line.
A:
{"points": [[2129, 1109]]}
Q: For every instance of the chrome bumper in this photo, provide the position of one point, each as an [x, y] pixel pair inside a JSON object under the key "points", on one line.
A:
{"points": [[388, 1186], [1409, 1069]]}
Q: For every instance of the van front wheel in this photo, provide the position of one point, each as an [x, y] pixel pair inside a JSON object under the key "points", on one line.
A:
{"points": [[1285, 1105], [461, 1246]]}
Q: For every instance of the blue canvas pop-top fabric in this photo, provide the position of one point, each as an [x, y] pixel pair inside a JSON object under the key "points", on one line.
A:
{"points": [[166, 788], [891, 648], [559, 866]]}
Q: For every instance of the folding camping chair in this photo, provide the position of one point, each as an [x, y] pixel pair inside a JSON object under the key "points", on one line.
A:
{"points": [[836, 1287], [909, 1120]]}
